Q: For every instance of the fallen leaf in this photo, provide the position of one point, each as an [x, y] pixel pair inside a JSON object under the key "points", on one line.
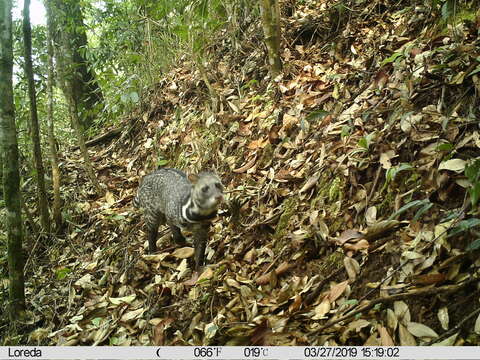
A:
{"points": [[183, 253], [406, 339], [207, 274], [385, 337], [125, 299], [321, 309], [132, 315], [455, 165], [337, 290], [311, 182], [245, 167], [443, 317], [420, 330]]}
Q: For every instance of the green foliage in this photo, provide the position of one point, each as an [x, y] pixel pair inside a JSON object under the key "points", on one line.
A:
{"points": [[317, 115], [346, 130], [62, 273], [463, 226], [392, 58], [133, 42], [365, 142], [472, 172], [422, 207], [394, 170]]}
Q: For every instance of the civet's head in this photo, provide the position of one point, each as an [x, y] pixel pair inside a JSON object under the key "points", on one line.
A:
{"points": [[207, 191]]}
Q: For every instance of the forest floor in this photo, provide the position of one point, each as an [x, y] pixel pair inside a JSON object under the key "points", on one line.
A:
{"points": [[347, 218]]}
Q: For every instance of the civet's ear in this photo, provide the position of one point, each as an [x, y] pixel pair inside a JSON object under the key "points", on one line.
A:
{"points": [[193, 178]]}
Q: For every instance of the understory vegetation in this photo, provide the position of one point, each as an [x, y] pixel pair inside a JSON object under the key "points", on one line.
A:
{"points": [[352, 176]]}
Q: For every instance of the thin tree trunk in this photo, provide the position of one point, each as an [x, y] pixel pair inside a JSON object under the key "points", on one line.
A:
{"points": [[11, 177], [34, 128], [70, 28], [72, 106], [270, 11], [57, 213], [215, 99], [68, 77]]}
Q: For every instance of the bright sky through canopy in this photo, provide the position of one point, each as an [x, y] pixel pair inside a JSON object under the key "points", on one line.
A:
{"points": [[37, 12]]}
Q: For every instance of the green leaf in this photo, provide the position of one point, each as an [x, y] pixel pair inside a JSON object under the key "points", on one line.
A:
{"points": [[448, 9], [62, 273], [411, 204], [134, 97], [445, 147], [346, 130], [474, 245], [351, 302], [393, 171], [449, 216], [391, 59], [464, 226], [366, 141], [317, 115], [422, 210], [472, 171], [477, 70], [474, 193], [162, 162], [97, 321]]}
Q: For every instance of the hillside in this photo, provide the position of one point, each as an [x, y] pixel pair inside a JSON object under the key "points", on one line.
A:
{"points": [[352, 186]]}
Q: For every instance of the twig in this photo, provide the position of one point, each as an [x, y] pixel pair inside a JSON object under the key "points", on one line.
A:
{"points": [[312, 296], [374, 186], [455, 328], [389, 299]]}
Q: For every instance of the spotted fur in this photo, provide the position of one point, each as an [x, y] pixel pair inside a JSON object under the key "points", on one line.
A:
{"points": [[168, 196]]}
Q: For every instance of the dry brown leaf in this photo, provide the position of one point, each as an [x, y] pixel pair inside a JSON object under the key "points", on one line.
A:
{"points": [[385, 337], [311, 182], [258, 144], [361, 245], [402, 312], [428, 279], [352, 266], [322, 309], [337, 290], [264, 279], [250, 256], [443, 317], [206, 275], [184, 253], [283, 268], [109, 198], [132, 315], [420, 330], [382, 228], [347, 235], [232, 282], [406, 339], [245, 167], [296, 304]]}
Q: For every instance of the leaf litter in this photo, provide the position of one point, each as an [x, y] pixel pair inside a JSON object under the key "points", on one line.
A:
{"points": [[326, 170]]}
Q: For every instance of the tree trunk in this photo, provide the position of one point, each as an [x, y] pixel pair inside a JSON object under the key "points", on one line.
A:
{"points": [[72, 107], [57, 213], [11, 177], [271, 28], [68, 76], [34, 128], [68, 23]]}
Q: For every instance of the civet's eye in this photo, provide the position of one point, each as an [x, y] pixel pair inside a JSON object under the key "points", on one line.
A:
{"points": [[219, 186], [205, 188]]}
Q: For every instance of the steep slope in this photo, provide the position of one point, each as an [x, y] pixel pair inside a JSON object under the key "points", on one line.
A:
{"points": [[348, 222]]}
